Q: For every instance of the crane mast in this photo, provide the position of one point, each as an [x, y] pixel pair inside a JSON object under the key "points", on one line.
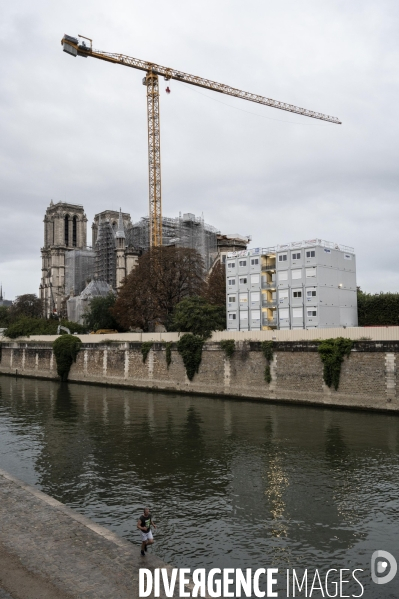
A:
{"points": [[74, 47]]}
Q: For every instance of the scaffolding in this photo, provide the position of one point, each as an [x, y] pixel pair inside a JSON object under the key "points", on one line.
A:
{"points": [[79, 268], [105, 258], [187, 231]]}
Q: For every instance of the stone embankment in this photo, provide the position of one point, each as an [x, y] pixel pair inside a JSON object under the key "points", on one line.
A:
{"points": [[369, 376], [49, 551]]}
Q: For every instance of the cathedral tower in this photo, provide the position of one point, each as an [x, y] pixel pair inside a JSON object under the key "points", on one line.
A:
{"points": [[65, 228]]}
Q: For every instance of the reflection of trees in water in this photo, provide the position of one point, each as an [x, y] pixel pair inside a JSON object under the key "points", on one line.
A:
{"points": [[66, 449], [336, 451], [65, 408]]}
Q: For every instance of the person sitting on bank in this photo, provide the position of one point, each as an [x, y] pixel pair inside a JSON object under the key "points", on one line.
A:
{"points": [[144, 525]]}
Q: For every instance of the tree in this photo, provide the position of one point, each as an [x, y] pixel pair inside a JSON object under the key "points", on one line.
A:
{"points": [[4, 316], [380, 309], [99, 315], [26, 305], [196, 315], [163, 277], [215, 290]]}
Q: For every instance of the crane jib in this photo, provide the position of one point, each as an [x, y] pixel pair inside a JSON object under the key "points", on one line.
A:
{"points": [[71, 43], [74, 47]]}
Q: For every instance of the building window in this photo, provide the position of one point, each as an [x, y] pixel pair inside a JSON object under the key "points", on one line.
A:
{"points": [[233, 316], [297, 294], [243, 315], [283, 294], [231, 282], [255, 279], [283, 313], [297, 273], [224, 259], [243, 298], [311, 254], [310, 272], [283, 276], [232, 299], [255, 315], [312, 312], [66, 229], [296, 256], [74, 231], [282, 258], [243, 280], [242, 263], [255, 297], [231, 264], [311, 293], [254, 261], [297, 313]]}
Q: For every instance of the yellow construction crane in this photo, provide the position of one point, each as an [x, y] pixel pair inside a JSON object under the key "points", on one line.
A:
{"points": [[76, 47]]}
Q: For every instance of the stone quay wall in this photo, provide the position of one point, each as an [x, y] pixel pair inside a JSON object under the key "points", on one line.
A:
{"points": [[369, 376]]}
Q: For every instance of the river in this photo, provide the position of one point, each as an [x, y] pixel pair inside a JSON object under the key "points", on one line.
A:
{"points": [[230, 483]]}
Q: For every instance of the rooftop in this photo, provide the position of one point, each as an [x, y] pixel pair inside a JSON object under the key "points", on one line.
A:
{"points": [[293, 245]]}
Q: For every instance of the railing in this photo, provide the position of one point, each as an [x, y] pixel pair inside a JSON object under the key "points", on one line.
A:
{"points": [[269, 266], [269, 303], [271, 285], [270, 321], [295, 245]]}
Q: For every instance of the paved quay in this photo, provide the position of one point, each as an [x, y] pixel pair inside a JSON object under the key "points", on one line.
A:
{"points": [[49, 551]]}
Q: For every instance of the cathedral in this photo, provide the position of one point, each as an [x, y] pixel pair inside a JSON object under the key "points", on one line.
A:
{"points": [[69, 266]]}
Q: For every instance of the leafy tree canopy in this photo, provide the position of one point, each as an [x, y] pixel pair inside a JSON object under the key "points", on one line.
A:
{"points": [[196, 315], [26, 305], [380, 309], [4, 316], [215, 289], [99, 315], [163, 277]]}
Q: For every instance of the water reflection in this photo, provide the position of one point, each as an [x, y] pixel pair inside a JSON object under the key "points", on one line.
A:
{"points": [[232, 484]]}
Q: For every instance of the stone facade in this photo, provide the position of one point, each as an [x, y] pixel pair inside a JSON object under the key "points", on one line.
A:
{"points": [[369, 377], [65, 227]]}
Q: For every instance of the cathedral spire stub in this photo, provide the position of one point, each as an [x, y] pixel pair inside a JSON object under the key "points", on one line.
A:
{"points": [[121, 229]]}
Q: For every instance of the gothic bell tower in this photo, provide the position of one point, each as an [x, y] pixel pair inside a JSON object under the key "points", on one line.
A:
{"points": [[65, 228]]}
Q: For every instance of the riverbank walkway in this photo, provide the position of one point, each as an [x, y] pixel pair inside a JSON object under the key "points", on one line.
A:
{"points": [[49, 551]]}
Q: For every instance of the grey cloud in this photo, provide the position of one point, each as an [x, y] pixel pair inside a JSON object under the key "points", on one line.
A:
{"points": [[75, 129]]}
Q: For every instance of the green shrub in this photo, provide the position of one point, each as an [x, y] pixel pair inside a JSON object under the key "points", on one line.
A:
{"points": [[196, 315], [267, 350], [145, 349], [25, 326], [168, 353], [65, 349], [228, 346], [332, 353], [190, 349]]}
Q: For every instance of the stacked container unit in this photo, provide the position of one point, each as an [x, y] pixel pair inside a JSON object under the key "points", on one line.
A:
{"points": [[300, 285]]}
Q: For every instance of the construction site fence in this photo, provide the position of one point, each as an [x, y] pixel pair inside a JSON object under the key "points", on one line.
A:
{"points": [[359, 333]]}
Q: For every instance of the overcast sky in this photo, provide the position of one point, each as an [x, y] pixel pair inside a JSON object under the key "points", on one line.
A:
{"points": [[75, 129]]}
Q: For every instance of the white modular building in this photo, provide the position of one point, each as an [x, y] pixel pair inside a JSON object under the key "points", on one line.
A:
{"points": [[299, 285]]}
